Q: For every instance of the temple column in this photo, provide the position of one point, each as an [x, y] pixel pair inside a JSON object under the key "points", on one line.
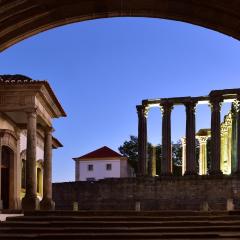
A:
{"points": [[166, 161], [47, 202], [191, 168], [202, 154], [215, 136], [183, 141], [234, 141], [30, 201], [237, 108], [152, 163], [142, 140]]}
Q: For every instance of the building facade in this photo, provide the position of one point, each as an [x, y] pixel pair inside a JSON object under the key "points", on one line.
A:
{"points": [[100, 164], [27, 108]]}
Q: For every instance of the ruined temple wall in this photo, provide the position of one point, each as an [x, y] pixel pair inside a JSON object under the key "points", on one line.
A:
{"points": [[169, 193]]}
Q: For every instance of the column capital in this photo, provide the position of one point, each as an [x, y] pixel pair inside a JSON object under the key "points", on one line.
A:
{"points": [[191, 105], [48, 130], [166, 107], [202, 139], [183, 140], [142, 109], [216, 103], [236, 105]]}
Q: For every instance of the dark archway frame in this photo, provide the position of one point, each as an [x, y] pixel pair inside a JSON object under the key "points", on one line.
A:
{"points": [[20, 19]]}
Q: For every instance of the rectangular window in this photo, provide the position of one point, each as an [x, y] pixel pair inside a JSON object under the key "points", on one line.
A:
{"points": [[90, 167], [108, 166]]}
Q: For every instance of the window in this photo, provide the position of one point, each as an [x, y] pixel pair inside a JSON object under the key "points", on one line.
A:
{"points": [[108, 166], [23, 183], [90, 167]]}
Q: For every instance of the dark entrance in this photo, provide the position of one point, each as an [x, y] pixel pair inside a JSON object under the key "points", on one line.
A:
{"points": [[7, 155]]}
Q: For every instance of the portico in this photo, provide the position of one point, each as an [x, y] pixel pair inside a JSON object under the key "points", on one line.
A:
{"points": [[189, 164], [27, 108]]}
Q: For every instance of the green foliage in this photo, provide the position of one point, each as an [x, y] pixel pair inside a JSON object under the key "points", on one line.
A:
{"points": [[129, 149]]}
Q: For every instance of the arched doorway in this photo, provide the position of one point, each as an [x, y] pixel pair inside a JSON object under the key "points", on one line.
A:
{"points": [[7, 160]]}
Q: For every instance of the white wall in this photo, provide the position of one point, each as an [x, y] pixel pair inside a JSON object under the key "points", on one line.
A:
{"points": [[99, 169]]}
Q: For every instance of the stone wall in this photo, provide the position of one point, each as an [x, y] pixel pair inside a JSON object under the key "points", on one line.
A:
{"points": [[165, 193]]}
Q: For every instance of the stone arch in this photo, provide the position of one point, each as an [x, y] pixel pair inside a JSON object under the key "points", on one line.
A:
{"points": [[22, 19]]}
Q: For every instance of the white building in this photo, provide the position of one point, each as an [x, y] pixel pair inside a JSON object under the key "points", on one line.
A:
{"points": [[101, 163]]}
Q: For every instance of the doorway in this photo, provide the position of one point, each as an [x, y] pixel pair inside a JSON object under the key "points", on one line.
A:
{"points": [[7, 157]]}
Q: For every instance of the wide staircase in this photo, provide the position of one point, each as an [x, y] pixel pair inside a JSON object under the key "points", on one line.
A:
{"points": [[122, 225]]}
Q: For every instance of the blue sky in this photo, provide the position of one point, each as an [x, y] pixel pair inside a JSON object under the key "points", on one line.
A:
{"points": [[101, 69]]}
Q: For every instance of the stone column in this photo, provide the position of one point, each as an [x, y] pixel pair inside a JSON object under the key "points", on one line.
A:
{"points": [[183, 141], [1, 203], [202, 154], [47, 202], [30, 201], [215, 136], [234, 141], [166, 163], [237, 108], [152, 163], [191, 168], [142, 140]]}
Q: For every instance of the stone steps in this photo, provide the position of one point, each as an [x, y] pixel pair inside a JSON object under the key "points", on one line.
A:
{"points": [[101, 223], [122, 225]]}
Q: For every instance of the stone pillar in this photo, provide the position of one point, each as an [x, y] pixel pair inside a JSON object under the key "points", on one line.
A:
{"points": [[152, 163], [77, 170], [202, 154], [234, 141], [1, 203], [47, 202], [237, 107], [166, 163], [30, 201], [142, 140], [183, 140], [191, 168], [215, 136]]}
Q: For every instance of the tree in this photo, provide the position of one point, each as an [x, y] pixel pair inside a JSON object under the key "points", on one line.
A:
{"points": [[129, 149]]}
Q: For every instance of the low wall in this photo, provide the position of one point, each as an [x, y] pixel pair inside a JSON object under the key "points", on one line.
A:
{"points": [[159, 193]]}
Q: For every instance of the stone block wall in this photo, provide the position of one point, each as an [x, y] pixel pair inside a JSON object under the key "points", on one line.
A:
{"points": [[158, 193]]}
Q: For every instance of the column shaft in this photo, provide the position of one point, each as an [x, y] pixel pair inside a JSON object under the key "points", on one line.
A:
{"points": [[202, 154], [166, 163], [191, 168], [234, 142], [183, 140], [215, 136], [142, 140], [152, 163], [30, 201], [47, 203], [1, 206], [237, 106]]}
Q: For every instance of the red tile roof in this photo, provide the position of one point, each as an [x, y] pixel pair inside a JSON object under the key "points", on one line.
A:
{"points": [[103, 152]]}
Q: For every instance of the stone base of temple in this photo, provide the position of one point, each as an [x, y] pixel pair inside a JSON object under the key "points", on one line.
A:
{"points": [[216, 173], [30, 203], [151, 193], [190, 174], [47, 204]]}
